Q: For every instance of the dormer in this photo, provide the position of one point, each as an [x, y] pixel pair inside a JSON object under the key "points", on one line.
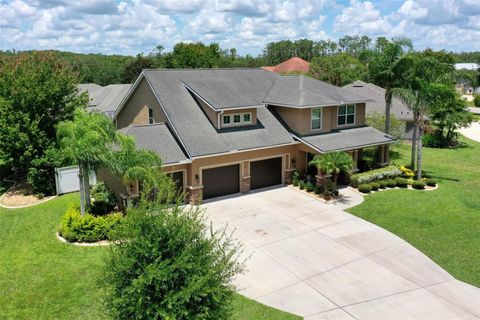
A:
{"points": [[309, 106], [226, 106]]}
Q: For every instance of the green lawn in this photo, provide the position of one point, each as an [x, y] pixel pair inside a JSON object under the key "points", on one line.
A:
{"points": [[42, 278], [445, 223]]}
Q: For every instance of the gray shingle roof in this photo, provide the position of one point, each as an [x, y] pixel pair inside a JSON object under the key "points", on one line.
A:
{"points": [[303, 91], [194, 129], [222, 90], [105, 99], [377, 103], [158, 138], [347, 139]]}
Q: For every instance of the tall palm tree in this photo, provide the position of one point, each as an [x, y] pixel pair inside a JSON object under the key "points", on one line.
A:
{"points": [[332, 163], [427, 84], [87, 140], [383, 70]]}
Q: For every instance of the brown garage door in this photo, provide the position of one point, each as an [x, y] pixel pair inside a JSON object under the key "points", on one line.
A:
{"points": [[265, 173], [221, 181]]}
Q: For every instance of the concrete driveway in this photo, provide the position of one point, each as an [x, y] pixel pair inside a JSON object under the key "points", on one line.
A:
{"points": [[472, 131], [317, 261]]}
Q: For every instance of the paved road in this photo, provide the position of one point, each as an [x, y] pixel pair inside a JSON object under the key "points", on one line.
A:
{"points": [[472, 132], [320, 262]]}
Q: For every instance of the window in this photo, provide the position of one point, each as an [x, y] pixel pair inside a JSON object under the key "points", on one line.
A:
{"points": [[316, 118], [150, 116], [226, 120], [346, 115], [237, 119]]}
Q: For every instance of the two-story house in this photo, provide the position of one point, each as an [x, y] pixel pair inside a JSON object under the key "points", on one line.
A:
{"points": [[227, 131]]}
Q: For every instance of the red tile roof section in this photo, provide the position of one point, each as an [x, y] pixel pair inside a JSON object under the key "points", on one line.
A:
{"points": [[294, 64]]}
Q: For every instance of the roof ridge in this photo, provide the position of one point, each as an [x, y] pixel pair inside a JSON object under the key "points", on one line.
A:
{"points": [[147, 125], [210, 69]]}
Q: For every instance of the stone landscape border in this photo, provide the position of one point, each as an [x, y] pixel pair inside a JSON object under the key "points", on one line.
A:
{"points": [[102, 243]]}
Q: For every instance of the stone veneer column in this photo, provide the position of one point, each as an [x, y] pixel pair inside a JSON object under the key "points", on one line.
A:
{"points": [[195, 195], [287, 176], [245, 184]]}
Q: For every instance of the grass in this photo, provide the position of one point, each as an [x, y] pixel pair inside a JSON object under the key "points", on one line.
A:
{"points": [[42, 278], [445, 223]]}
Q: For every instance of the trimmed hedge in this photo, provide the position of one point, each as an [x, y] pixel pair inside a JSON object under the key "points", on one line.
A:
{"points": [[391, 183], [383, 184], [375, 186], [431, 182], [401, 182], [309, 187], [374, 175], [418, 185], [88, 228], [365, 188]]}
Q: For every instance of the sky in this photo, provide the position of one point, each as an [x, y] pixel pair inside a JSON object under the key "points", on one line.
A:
{"points": [[134, 26]]}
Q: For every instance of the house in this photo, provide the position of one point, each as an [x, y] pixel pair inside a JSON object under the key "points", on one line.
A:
{"points": [[104, 99], [292, 65], [376, 104], [227, 131]]}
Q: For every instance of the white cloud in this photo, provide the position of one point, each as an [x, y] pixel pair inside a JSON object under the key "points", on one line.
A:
{"points": [[361, 18]]}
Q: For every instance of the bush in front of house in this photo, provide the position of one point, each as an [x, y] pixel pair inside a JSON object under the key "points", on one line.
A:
{"points": [[375, 186], [418, 184], [88, 228], [302, 184], [431, 182], [383, 184], [374, 175], [104, 200], [173, 266], [318, 189], [401, 182], [309, 187], [365, 188], [476, 100], [391, 183]]}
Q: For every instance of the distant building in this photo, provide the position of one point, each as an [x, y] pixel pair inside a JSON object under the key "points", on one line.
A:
{"points": [[292, 65], [376, 104], [105, 99], [466, 66]]}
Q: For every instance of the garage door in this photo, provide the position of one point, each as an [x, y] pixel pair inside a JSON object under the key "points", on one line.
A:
{"points": [[265, 173], [221, 181]]}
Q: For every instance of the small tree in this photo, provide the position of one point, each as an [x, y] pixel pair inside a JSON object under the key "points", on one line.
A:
{"points": [[87, 140], [170, 265], [332, 163], [377, 120]]}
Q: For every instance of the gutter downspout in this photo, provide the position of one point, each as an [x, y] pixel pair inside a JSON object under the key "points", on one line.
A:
{"points": [[218, 118]]}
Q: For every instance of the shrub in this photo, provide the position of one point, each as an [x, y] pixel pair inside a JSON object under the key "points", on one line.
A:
{"points": [[172, 267], [101, 192], [374, 175], [435, 140], [301, 184], [407, 172], [309, 187], [401, 182], [88, 228], [476, 100], [101, 208], [418, 184], [318, 189], [383, 184], [41, 173], [431, 182], [391, 183], [365, 188], [295, 182], [375, 186]]}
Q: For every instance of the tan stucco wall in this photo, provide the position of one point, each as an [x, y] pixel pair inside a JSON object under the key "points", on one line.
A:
{"points": [[299, 120], [135, 110]]}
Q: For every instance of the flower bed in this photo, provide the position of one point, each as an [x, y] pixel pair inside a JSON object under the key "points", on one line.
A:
{"points": [[424, 184]]}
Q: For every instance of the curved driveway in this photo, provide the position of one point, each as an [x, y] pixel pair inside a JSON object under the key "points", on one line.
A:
{"points": [[472, 131], [320, 262]]}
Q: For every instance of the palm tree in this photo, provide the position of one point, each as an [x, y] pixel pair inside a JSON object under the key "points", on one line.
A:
{"points": [[332, 163], [427, 84], [383, 70], [87, 140]]}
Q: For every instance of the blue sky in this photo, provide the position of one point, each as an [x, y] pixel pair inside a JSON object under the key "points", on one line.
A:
{"points": [[133, 26]]}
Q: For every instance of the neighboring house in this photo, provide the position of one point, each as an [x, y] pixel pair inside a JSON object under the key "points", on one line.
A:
{"points": [[226, 131], [376, 104], [105, 99], [292, 65]]}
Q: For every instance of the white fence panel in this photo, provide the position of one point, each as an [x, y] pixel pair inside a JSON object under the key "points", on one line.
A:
{"points": [[66, 179]]}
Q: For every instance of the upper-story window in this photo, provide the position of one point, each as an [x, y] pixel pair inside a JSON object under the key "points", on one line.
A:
{"points": [[150, 116], [316, 118], [236, 119], [346, 115]]}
